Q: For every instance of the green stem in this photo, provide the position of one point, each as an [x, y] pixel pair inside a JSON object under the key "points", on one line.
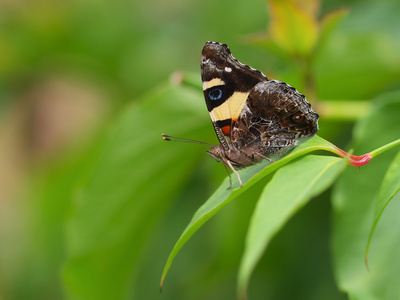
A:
{"points": [[309, 81], [343, 110], [385, 148]]}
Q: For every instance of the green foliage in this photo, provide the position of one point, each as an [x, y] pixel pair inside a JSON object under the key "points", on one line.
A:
{"points": [[293, 185], [98, 218], [102, 234], [355, 197], [223, 195], [389, 188]]}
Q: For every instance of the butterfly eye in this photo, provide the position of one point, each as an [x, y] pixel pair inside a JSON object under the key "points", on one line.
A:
{"points": [[298, 118], [215, 94]]}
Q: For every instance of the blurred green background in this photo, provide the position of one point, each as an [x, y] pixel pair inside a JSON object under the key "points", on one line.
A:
{"points": [[92, 201]]}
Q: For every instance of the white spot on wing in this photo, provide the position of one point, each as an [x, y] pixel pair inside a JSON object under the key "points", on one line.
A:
{"points": [[227, 69]]}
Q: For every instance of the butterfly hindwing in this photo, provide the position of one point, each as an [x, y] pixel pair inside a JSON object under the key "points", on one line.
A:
{"points": [[273, 119]]}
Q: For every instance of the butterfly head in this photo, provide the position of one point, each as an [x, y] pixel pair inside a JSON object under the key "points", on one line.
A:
{"points": [[216, 152]]}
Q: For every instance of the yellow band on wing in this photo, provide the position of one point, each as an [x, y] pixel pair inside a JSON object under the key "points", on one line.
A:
{"points": [[231, 108], [213, 82]]}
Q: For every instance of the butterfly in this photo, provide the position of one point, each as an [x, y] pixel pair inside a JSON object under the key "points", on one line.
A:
{"points": [[254, 118]]}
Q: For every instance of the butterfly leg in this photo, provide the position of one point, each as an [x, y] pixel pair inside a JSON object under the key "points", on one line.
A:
{"points": [[234, 171], [230, 178], [270, 160]]}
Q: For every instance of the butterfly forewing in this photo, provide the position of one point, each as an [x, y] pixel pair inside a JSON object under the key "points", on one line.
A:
{"points": [[226, 86]]}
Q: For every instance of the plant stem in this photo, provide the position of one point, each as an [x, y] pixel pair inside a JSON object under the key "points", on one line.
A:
{"points": [[385, 148], [344, 110]]}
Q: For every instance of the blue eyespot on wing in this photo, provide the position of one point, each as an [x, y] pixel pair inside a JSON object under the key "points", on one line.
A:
{"points": [[215, 94]]}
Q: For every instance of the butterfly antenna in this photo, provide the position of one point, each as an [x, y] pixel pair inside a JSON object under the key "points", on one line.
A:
{"points": [[171, 138]]}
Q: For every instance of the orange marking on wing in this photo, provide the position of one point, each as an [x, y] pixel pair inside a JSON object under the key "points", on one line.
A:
{"points": [[226, 129]]}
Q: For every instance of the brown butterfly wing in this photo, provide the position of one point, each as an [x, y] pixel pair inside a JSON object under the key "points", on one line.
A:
{"points": [[274, 118], [226, 85]]}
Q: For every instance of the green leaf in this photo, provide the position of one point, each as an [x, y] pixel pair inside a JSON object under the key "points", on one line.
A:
{"points": [[354, 199], [389, 188], [135, 178], [329, 22], [289, 190], [292, 27], [371, 60], [249, 177]]}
